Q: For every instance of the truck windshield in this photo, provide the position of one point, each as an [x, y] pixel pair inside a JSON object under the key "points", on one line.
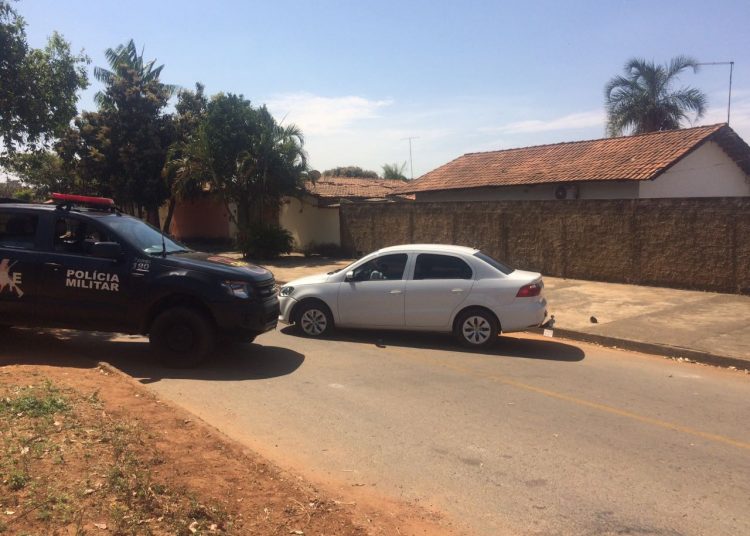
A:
{"points": [[143, 236]]}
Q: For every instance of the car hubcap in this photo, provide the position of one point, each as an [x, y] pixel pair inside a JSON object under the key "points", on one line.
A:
{"points": [[476, 329], [313, 322]]}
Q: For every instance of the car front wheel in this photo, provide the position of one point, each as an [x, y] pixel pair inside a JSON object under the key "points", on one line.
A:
{"points": [[183, 337], [314, 319], [477, 328]]}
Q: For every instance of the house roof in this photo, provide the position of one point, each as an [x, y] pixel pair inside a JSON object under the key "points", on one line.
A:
{"points": [[329, 188], [640, 157]]}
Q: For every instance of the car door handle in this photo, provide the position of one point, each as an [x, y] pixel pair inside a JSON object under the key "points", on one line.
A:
{"points": [[457, 290], [53, 265], [395, 292]]}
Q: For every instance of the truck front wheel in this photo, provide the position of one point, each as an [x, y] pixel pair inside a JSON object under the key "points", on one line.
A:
{"points": [[182, 337]]}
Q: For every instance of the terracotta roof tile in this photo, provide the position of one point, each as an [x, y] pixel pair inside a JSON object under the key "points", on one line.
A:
{"points": [[352, 188], [626, 158]]}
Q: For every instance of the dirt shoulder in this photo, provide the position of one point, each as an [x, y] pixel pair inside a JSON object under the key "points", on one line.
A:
{"points": [[87, 450]]}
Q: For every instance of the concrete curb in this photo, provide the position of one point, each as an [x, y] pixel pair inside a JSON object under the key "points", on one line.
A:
{"points": [[651, 348]]}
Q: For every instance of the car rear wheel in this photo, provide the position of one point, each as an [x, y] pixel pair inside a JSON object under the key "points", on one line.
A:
{"points": [[313, 319], [182, 337], [477, 328]]}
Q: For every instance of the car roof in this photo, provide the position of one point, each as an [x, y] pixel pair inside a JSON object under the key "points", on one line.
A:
{"points": [[51, 207], [441, 248]]}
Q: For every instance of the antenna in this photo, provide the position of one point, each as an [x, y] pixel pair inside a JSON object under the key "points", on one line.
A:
{"points": [[731, 68], [411, 163]]}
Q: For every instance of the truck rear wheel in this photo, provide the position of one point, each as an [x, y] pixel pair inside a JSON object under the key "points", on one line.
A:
{"points": [[182, 337]]}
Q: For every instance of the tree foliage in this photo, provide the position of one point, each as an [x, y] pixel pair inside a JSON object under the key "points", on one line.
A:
{"points": [[643, 100], [44, 171], [394, 171], [38, 88], [184, 175], [350, 171], [121, 149], [250, 159]]}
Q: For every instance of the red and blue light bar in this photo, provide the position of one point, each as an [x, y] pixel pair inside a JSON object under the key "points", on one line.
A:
{"points": [[84, 200]]}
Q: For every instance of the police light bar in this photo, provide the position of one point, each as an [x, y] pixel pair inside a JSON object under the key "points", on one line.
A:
{"points": [[84, 200]]}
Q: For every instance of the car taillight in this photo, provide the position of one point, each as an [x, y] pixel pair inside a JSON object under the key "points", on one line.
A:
{"points": [[529, 291]]}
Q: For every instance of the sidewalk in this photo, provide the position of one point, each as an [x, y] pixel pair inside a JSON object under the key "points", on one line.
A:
{"points": [[702, 326]]}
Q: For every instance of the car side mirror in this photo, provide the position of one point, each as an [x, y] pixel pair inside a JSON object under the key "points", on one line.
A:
{"points": [[350, 276], [107, 250]]}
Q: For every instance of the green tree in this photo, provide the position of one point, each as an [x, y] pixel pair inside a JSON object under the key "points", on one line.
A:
{"points": [[250, 159], [38, 87], [643, 100], [350, 171], [123, 60], [43, 171], [394, 171], [185, 176], [121, 149]]}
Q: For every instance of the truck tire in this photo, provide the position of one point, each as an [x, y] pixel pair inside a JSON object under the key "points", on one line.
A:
{"points": [[182, 337]]}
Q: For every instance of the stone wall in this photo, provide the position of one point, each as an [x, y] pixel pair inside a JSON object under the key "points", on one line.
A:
{"points": [[697, 243]]}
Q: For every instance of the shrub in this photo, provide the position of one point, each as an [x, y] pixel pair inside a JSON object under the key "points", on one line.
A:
{"points": [[265, 241]]}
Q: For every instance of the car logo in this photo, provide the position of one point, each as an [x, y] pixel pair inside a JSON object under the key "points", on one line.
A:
{"points": [[10, 280]]}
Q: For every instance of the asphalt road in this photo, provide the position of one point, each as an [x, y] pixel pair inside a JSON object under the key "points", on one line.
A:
{"points": [[538, 436]]}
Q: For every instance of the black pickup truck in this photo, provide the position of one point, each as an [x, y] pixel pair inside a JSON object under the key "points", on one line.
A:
{"points": [[80, 263]]}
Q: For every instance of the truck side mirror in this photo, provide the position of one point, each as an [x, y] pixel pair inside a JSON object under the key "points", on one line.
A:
{"points": [[107, 250]]}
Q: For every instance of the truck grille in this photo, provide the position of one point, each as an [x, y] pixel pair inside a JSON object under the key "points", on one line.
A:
{"points": [[266, 289]]}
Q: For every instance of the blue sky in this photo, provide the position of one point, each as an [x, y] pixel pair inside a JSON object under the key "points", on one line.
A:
{"points": [[358, 77]]}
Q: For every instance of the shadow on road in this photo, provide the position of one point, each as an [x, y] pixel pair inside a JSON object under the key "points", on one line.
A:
{"points": [[506, 346], [132, 355]]}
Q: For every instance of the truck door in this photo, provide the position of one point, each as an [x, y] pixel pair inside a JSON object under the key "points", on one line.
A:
{"points": [[19, 267], [81, 290]]}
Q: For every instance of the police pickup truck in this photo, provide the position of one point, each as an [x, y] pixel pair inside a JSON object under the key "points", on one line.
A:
{"points": [[80, 263]]}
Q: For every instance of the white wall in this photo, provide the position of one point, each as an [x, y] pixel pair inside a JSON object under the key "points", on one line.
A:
{"points": [[591, 190], [706, 172], [310, 223]]}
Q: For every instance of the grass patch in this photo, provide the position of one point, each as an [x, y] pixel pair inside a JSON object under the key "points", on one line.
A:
{"points": [[64, 462]]}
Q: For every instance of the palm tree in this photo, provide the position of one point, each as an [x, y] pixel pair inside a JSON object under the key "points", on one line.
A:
{"points": [[394, 171], [122, 59], [643, 100]]}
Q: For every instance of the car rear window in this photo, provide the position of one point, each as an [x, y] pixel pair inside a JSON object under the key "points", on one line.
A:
{"points": [[432, 266], [18, 230], [497, 265]]}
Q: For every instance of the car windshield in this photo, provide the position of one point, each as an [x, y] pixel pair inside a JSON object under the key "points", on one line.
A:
{"points": [[143, 236], [497, 265]]}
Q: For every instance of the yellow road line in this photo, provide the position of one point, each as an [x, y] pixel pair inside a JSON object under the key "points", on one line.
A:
{"points": [[604, 408]]}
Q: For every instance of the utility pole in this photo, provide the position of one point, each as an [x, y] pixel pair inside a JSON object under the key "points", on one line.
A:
{"points": [[731, 68], [411, 164]]}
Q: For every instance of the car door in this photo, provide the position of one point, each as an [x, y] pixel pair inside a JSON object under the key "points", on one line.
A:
{"points": [[81, 290], [440, 284], [20, 270], [374, 297]]}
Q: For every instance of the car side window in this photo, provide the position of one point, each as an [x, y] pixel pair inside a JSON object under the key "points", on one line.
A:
{"points": [[18, 230], [432, 266], [76, 236], [384, 268]]}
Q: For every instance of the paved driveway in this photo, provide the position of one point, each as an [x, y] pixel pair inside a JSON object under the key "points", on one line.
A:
{"points": [[538, 436]]}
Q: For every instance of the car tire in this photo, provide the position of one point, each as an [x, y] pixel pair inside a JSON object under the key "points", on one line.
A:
{"points": [[477, 328], [313, 319], [182, 337]]}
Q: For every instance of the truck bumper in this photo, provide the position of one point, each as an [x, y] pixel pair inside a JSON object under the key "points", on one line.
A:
{"points": [[247, 319]]}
